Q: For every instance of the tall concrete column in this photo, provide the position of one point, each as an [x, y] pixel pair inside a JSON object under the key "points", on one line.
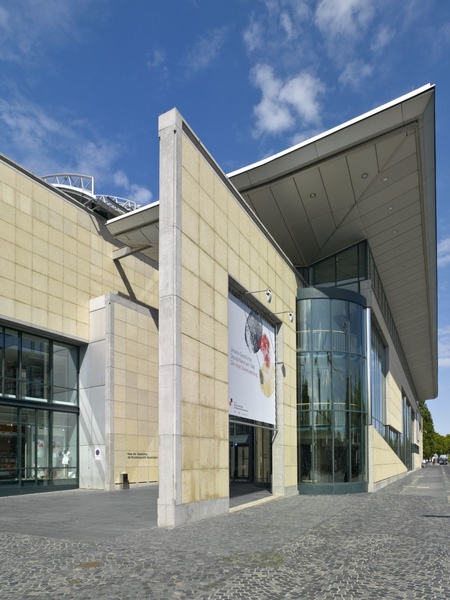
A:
{"points": [[170, 489]]}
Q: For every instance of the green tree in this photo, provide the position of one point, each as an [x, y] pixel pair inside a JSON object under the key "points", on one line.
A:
{"points": [[431, 440]]}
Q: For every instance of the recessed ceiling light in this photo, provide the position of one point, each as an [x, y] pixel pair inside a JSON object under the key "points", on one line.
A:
{"points": [[385, 179], [390, 208], [364, 175], [395, 231], [313, 195]]}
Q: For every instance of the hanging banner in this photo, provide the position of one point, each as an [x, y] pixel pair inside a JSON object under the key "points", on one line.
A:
{"points": [[251, 364]]}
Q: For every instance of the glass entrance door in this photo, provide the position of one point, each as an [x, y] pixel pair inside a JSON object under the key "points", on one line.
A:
{"points": [[239, 462]]}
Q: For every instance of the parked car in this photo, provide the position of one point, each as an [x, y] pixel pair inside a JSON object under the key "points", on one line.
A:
{"points": [[443, 459]]}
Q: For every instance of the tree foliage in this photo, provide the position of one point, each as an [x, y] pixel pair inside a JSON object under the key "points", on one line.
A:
{"points": [[433, 442]]}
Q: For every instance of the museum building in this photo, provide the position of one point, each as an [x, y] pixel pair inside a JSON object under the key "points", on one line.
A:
{"points": [[276, 326]]}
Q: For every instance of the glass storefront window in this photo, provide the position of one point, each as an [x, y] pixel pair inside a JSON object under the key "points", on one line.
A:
{"points": [[38, 434], [11, 362], [65, 374], [35, 367], [35, 453], [64, 447], [8, 445]]}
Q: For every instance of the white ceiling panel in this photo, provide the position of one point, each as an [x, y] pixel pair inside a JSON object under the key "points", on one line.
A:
{"points": [[362, 163], [387, 147], [266, 208], [336, 178]]}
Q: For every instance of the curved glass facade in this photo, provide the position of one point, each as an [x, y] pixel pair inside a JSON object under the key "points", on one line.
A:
{"points": [[332, 390]]}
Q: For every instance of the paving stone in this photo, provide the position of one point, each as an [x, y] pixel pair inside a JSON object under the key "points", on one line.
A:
{"points": [[392, 544]]}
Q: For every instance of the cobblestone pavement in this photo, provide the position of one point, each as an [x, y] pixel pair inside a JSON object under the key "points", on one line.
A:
{"points": [[392, 544]]}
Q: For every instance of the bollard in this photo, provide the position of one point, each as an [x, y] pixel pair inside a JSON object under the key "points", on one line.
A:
{"points": [[125, 483]]}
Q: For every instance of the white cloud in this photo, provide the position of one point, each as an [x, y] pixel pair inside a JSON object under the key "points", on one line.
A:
{"points": [[277, 27], [283, 103], [344, 17], [383, 38], [443, 252], [156, 60], [302, 92], [444, 346], [253, 35], [132, 191], [46, 144], [206, 50], [26, 26], [354, 74], [287, 25]]}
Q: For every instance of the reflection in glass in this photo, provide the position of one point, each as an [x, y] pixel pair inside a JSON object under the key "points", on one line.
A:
{"points": [[357, 449], [347, 268], [11, 355], [341, 470], [323, 454], [65, 370], [322, 379], [332, 395], [304, 325], [8, 444], [339, 322], [35, 455], [325, 272], [357, 337], [321, 324], [304, 373], [357, 379], [35, 366], [305, 455], [64, 447], [340, 381]]}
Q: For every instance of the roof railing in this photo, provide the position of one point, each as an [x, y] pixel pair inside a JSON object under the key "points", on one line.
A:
{"points": [[82, 182], [86, 184]]}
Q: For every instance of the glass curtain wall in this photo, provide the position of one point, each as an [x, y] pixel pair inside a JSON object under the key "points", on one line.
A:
{"points": [[378, 380], [38, 413], [332, 397]]}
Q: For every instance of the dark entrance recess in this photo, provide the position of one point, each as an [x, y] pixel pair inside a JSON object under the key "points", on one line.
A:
{"points": [[250, 458]]}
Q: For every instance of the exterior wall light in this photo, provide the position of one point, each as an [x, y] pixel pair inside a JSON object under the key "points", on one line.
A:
{"points": [[267, 292]]}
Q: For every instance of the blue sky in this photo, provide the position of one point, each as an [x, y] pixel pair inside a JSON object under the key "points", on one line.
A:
{"points": [[83, 82]]}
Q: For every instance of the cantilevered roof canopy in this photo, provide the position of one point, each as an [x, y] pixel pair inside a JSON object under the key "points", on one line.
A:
{"points": [[372, 179], [139, 230]]}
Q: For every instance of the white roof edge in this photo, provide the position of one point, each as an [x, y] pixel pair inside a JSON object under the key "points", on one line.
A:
{"points": [[366, 115], [133, 212]]}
